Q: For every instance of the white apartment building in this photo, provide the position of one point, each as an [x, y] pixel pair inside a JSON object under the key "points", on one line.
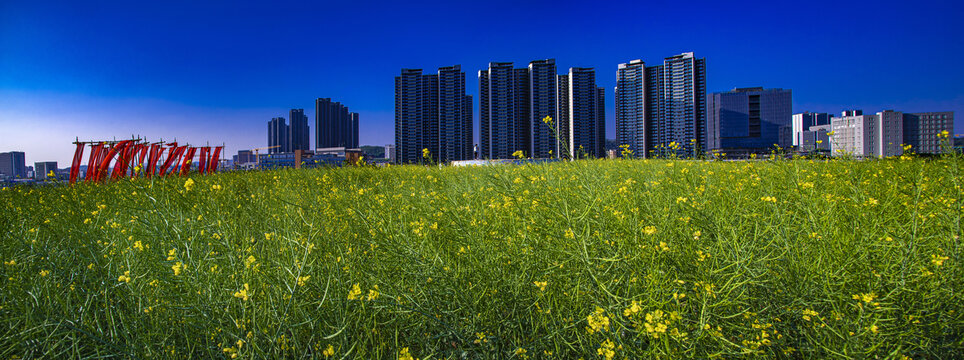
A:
{"points": [[878, 135]]}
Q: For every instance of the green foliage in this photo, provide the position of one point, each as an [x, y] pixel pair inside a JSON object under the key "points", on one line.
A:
{"points": [[594, 259]]}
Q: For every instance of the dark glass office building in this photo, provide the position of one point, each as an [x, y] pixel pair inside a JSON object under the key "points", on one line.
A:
{"points": [[748, 120], [13, 164]]}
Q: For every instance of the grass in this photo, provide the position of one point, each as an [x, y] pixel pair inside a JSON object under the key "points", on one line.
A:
{"points": [[593, 259]]}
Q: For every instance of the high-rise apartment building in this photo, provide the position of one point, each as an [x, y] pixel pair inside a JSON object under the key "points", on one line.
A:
{"points": [[502, 127], [515, 101], [454, 119], [41, 170], [631, 104], [428, 107], [921, 129], [671, 109], [877, 135], [13, 164], [353, 131], [601, 122], [583, 119], [278, 135], [335, 126], [561, 123], [802, 122], [299, 130], [543, 97], [390, 152], [748, 120]]}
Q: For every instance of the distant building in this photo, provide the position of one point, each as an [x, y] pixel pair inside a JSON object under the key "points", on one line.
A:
{"points": [[335, 126], [42, 169], [583, 102], [433, 113], [390, 152], [13, 165], [503, 110], [921, 129], [543, 100], [243, 157], [299, 130], [803, 121], [878, 135], [748, 120], [631, 114], [815, 138], [658, 106], [278, 135]]}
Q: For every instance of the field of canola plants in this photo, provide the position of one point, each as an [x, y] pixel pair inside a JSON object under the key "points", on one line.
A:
{"points": [[595, 259]]}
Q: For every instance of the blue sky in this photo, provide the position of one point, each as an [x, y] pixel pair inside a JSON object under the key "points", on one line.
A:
{"points": [[216, 72]]}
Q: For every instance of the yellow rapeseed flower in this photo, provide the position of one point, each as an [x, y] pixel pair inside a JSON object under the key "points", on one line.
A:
{"points": [[606, 349], [938, 260], [125, 278], [649, 230], [354, 293], [189, 184], [405, 355], [329, 351], [868, 297], [303, 279], [541, 285], [44, 273], [598, 321], [632, 310], [177, 268], [243, 293], [372, 293]]}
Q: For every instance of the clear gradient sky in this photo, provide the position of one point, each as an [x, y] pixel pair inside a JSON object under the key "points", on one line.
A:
{"points": [[217, 71]]}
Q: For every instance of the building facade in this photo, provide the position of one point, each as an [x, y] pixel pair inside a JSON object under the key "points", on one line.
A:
{"points": [[815, 138], [502, 127], [428, 106], [278, 135], [41, 170], [921, 129], [877, 135], [543, 98], [13, 164], [390, 152], [631, 106], [335, 125], [803, 121], [669, 116], [748, 120], [582, 98], [299, 130]]}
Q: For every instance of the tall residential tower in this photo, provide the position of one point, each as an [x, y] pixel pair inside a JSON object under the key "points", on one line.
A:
{"points": [[662, 107], [432, 112], [299, 130], [278, 137]]}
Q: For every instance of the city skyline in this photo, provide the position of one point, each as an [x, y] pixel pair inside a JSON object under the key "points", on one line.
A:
{"points": [[171, 82]]}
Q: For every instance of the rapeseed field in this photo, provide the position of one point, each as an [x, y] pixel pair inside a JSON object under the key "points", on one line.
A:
{"points": [[592, 259]]}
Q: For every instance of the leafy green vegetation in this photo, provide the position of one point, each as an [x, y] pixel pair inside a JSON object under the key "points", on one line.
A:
{"points": [[592, 259]]}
